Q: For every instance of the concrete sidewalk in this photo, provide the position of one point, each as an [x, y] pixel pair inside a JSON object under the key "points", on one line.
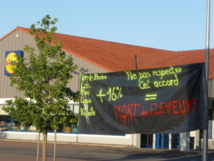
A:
{"points": [[26, 151]]}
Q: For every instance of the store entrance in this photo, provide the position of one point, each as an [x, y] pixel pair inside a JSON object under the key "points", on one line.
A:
{"points": [[146, 140], [176, 141], [162, 140]]}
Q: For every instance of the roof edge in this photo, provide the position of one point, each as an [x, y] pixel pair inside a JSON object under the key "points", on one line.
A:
{"points": [[9, 33], [23, 29], [17, 28]]}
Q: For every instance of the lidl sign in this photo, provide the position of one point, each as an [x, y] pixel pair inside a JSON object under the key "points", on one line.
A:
{"points": [[11, 58]]}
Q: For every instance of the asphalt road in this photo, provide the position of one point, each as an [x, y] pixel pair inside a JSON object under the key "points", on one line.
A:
{"points": [[26, 151]]}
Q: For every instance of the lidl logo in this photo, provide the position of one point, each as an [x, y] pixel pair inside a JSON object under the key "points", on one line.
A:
{"points": [[11, 58]]}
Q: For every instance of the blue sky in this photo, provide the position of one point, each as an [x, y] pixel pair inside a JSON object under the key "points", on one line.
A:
{"points": [[165, 24]]}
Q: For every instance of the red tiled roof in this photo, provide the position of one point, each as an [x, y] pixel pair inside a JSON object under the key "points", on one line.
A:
{"points": [[112, 56]]}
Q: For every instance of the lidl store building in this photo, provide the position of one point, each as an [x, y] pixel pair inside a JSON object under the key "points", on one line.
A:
{"points": [[98, 56]]}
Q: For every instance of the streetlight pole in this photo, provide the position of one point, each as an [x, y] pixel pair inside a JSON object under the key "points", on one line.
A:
{"points": [[205, 131]]}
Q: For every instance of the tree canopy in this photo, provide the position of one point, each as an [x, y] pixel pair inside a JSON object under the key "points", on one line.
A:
{"points": [[43, 75]]}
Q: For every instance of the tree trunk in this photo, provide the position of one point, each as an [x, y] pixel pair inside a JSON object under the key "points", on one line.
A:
{"points": [[38, 145], [44, 150], [54, 159]]}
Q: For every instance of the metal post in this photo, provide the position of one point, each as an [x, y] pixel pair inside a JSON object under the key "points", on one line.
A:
{"points": [[205, 131], [170, 141], [138, 136], [154, 141]]}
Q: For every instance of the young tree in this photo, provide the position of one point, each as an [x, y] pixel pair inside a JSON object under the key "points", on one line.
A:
{"points": [[43, 78]]}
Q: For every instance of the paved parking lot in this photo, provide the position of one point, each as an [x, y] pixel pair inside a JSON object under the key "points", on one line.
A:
{"points": [[26, 151]]}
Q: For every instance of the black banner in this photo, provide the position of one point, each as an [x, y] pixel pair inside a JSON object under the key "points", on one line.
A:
{"points": [[162, 100]]}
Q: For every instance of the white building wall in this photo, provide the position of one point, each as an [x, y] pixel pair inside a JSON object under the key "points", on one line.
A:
{"points": [[124, 140]]}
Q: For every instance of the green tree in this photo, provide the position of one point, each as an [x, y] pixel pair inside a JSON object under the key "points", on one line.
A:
{"points": [[43, 78]]}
